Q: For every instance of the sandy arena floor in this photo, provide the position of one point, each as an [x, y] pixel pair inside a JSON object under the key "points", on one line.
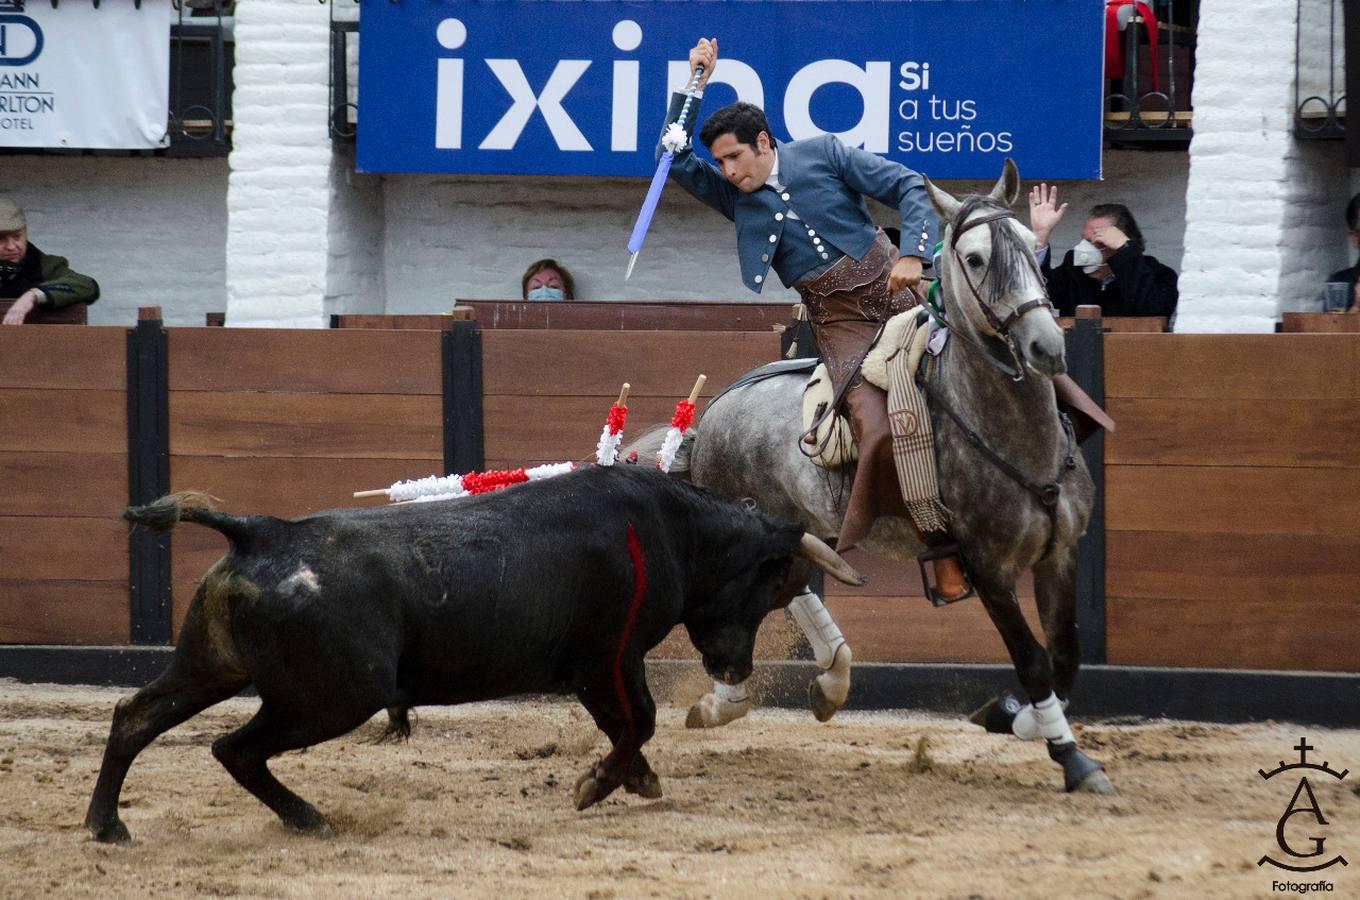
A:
{"points": [[478, 804]]}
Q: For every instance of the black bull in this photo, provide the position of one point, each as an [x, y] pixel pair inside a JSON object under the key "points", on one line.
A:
{"points": [[559, 584]]}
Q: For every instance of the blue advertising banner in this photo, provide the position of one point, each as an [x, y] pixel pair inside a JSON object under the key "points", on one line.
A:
{"points": [[580, 87]]}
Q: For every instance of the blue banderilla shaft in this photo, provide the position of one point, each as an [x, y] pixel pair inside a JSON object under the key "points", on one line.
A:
{"points": [[663, 168]]}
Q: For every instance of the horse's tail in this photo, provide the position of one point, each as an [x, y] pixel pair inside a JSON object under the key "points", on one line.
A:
{"points": [[649, 444]]}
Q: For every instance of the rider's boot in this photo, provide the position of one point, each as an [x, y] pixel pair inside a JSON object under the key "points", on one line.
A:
{"points": [[950, 583]]}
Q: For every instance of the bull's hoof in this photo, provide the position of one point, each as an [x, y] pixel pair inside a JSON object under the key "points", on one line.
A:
{"points": [[1080, 772], [310, 822], [648, 786], [592, 787], [713, 712], [114, 832], [587, 792], [997, 715]]}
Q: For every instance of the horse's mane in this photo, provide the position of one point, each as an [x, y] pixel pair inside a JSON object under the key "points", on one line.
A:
{"points": [[1010, 256]]}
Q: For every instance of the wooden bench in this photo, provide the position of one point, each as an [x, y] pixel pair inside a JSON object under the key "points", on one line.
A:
{"points": [[591, 315]]}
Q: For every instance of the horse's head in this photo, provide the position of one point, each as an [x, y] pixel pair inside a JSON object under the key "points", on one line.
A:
{"points": [[989, 280]]}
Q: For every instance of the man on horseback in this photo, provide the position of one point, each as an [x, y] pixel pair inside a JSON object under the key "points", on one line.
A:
{"points": [[799, 208]]}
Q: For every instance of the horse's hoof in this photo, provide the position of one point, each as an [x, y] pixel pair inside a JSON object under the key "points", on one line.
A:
{"points": [[114, 832], [648, 786], [997, 715], [1080, 772], [1096, 783], [822, 706], [714, 712]]}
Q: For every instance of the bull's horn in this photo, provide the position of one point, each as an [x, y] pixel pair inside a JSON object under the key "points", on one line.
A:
{"points": [[832, 563]]}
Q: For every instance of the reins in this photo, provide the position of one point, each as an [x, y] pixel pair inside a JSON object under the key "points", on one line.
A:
{"points": [[1002, 327], [1047, 493]]}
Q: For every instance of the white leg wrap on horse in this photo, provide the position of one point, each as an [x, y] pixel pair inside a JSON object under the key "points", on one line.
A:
{"points": [[731, 693], [1052, 721], [1026, 724], [822, 633], [725, 703]]}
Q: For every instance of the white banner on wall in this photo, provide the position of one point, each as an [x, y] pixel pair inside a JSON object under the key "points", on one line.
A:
{"points": [[80, 77]]}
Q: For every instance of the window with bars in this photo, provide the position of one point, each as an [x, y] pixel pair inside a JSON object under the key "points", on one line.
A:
{"points": [[1150, 70]]}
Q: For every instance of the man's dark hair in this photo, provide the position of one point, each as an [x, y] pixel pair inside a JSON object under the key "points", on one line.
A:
{"points": [[1123, 220], [744, 121], [1353, 214]]}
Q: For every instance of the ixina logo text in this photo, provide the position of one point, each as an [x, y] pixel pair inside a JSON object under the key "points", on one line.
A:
{"points": [[1301, 833]]}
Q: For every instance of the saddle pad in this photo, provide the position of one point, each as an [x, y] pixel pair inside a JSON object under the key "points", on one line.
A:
{"points": [[834, 436], [875, 365]]}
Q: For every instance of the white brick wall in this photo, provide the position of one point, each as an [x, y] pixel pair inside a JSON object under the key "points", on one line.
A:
{"points": [[280, 190], [1313, 235], [152, 232], [354, 270], [1257, 202], [472, 237]]}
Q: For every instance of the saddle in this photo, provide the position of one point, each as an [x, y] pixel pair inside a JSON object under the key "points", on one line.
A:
{"points": [[834, 439]]}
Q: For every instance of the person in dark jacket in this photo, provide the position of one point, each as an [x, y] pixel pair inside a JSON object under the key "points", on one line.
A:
{"points": [[1351, 276], [31, 278], [1109, 268]]}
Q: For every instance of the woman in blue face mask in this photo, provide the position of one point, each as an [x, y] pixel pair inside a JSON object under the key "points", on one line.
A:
{"points": [[547, 279]]}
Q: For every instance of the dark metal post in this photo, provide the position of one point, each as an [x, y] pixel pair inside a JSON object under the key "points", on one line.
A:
{"points": [[1086, 365], [462, 365], [1351, 48], [148, 476]]}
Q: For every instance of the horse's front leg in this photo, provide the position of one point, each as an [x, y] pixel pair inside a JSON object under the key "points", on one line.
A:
{"points": [[826, 693], [1043, 717], [1056, 595]]}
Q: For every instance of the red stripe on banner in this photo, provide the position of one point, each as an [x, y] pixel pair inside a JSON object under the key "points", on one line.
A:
{"points": [[621, 689]]}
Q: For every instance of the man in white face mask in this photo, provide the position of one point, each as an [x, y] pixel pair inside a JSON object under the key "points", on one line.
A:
{"points": [[1108, 268]]}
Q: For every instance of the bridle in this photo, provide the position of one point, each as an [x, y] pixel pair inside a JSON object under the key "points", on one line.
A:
{"points": [[1002, 327], [1047, 493]]}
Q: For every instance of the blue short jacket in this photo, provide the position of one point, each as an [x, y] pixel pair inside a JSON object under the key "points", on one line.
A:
{"points": [[825, 182]]}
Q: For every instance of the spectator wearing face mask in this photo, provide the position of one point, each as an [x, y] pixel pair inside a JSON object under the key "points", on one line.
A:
{"points": [[1108, 268], [547, 279], [31, 278]]}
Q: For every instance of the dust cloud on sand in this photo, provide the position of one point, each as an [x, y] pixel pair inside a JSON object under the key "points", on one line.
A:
{"points": [[478, 804]]}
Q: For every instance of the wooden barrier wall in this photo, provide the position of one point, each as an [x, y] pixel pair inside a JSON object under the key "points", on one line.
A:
{"points": [[1232, 485], [64, 467], [545, 393], [290, 422], [1233, 501]]}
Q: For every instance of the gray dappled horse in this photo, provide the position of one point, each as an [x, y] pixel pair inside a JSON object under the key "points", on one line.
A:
{"points": [[993, 379]]}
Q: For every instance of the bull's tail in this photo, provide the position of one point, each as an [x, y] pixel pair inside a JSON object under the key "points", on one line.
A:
{"points": [[649, 445], [189, 506]]}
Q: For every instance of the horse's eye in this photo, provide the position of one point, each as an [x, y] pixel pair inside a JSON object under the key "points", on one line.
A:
{"points": [[974, 261]]}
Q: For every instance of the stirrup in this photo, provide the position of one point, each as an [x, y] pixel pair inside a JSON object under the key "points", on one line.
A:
{"points": [[942, 551]]}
